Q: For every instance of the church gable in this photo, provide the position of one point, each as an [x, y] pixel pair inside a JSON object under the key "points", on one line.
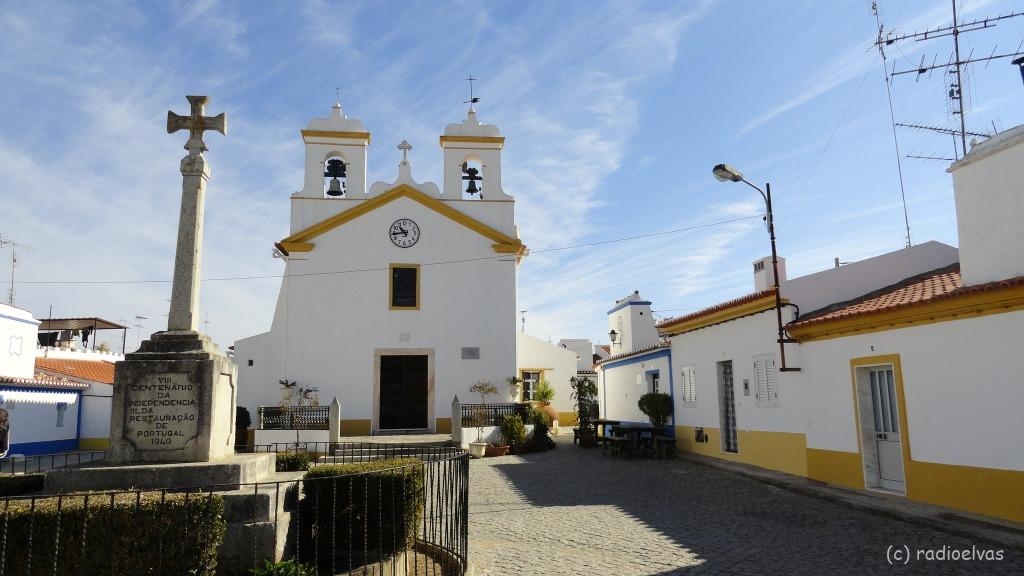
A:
{"points": [[302, 241]]}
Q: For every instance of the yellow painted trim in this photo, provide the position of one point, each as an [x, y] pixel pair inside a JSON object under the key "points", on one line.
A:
{"points": [[731, 313], [835, 467], [897, 370], [566, 418], [93, 443], [404, 191], [443, 425], [517, 249], [995, 301], [298, 246], [988, 491], [336, 134], [499, 140], [782, 451], [355, 427], [391, 286]]}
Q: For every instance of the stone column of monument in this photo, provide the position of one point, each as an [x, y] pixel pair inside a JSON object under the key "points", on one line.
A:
{"points": [[174, 398]]}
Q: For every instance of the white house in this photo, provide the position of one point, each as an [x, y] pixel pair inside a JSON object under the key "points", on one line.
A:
{"points": [[96, 371], [395, 298], [640, 362], [39, 414], [539, 360], [909, 364]]}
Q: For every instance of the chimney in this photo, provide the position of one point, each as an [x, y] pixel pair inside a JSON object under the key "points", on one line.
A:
{"points": [[763, 277]]}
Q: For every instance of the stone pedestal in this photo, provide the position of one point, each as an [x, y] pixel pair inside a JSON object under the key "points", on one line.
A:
{"points": [[174, 401]]}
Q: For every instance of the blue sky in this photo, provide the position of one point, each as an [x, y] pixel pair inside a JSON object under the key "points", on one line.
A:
{"points": [[614, 114]]}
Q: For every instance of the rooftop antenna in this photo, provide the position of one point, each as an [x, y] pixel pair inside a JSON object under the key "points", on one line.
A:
{"points": [[138, 325], [472, 99], [522, 315], [337, 94], [6, 241], [206, 323], [955, 69]]}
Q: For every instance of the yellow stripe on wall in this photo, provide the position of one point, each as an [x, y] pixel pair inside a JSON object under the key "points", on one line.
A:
{"points": [[989, 491], [782, 451], [355, 427], [566, 418], [443, 425], [93, 443], [835, 467]]}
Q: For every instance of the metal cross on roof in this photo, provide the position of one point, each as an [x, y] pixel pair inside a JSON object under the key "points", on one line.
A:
{"points": [[196, 124], [404, 147], [472, 99]]}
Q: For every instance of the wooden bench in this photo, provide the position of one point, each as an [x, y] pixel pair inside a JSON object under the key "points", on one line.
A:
{"points": [[621, 446], [664, 447]]}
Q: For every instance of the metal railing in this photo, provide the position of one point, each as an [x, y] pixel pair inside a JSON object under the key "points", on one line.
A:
{"points": [[493, 413], [32, 464], [294, 417], [410, 518]]}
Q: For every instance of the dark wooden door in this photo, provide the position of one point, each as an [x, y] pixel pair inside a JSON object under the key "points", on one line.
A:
{"points": [[403, 392]]}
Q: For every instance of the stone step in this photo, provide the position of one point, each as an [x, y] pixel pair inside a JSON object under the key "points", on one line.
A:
{"points": [[257, 503]]}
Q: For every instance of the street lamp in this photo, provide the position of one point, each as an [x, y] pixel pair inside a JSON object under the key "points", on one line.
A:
{"points": [[726, 173]]}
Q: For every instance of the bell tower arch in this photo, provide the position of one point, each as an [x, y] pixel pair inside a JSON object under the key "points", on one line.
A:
{"points": [[335, 156], [472, 160]]}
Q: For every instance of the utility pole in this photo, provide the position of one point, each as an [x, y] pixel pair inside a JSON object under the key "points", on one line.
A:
{"points": [[15, 246]]}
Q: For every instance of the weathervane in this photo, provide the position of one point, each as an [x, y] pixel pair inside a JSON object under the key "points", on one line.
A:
{"points": [[472, 99]]}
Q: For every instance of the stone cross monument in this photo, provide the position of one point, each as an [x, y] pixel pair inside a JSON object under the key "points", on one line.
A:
{"points": [[174, 398]]}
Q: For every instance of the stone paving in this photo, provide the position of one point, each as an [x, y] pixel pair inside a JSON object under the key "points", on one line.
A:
{"points": [[570, 511]]}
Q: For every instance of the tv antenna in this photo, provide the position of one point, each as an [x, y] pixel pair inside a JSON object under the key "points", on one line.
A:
{"points": [[15, 246], [954, 70], [472, 99]]}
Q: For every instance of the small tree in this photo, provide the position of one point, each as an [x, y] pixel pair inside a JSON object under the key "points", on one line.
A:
{"points": [[484, 388], [544, 392], [657, 406], [584, 390]]}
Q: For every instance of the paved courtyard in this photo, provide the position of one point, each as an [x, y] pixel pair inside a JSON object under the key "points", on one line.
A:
{"points": [[570, 511]]}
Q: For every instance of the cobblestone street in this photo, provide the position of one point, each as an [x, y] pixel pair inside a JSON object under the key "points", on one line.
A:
{"points": [[570, 511]]}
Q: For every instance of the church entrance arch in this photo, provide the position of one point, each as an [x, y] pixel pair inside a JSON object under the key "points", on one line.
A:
{"points": [[403, 390]]}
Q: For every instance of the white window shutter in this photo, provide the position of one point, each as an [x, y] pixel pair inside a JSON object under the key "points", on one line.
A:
{"points": [[765, 383]]}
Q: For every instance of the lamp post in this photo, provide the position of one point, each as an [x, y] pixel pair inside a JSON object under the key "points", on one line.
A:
{"points": [[726, 173]]}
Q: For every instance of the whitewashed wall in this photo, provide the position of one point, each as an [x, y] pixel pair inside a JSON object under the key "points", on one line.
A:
{"points": [[36, 426], [18, 331], [96, 402], [738, 340], [621, 383], [964, 386], [559, 366]]}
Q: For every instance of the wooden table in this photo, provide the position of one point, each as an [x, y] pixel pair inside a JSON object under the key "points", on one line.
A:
{"points": [[635, 431]]}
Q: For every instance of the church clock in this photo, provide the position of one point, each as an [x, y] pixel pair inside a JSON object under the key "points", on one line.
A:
{"points": [[404, 232]]}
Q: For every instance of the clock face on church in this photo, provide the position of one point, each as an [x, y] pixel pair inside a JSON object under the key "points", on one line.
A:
{"points": [[404, 232]]}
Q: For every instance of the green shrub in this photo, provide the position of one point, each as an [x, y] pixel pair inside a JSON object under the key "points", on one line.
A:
{"points": [[539, 417], [348, 508], [145, 534], [543, 392], [657, 406], [293, 461], [541, 424], [21, 484], [513, 429], [283, 568]]}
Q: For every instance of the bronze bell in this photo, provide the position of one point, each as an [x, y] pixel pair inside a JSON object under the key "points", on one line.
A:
{"points": [[472, 189], [334, 188]]}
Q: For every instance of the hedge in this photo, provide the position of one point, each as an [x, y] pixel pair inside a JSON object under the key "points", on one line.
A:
{"points": [[293, 461], [376, 507], [21, 484], [85, 534]]}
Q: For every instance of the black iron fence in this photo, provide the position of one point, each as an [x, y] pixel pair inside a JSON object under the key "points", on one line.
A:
{"points": [[491, 414], [31, 464], [404, 510], [294, 417]]}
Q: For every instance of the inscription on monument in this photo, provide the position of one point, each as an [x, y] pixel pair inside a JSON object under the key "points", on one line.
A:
{"points": [[161, 412]]}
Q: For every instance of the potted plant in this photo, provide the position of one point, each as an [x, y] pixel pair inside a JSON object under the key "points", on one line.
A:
{"points": [[543, 394], [584, 390], [657, 406], [480, 416], [514, 382], [514, 432], [540, 440]]}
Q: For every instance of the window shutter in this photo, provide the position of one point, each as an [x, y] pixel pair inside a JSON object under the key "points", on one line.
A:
{"points": [[689, 384], [766, 387]]}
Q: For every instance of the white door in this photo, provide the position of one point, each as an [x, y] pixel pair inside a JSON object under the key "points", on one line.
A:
{"points": [[885, 411]]}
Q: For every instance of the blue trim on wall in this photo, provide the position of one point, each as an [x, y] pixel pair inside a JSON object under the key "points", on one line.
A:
{"points": [[46, 447], [33, 321], [648, 356], [632, 303]]}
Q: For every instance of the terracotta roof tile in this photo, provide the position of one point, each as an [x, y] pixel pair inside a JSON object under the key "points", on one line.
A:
{"points": [[42, 381], [94, 370], [934, 286], [716, 308]]}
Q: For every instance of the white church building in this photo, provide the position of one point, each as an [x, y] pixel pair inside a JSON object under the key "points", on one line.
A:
{"points": [[398, 296]]}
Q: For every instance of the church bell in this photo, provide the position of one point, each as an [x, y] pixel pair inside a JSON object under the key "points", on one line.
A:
{"points": [[334, 188]]}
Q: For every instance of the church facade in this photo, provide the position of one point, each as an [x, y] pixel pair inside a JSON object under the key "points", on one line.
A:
{"points": [[398, 296]]}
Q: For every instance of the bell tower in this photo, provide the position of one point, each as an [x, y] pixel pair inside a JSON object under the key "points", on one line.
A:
{"points": [[472, 160], [335, 156]]}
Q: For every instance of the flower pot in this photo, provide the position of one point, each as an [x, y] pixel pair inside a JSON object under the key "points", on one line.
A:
{"points": [[477, 449], [588, 439], [492, 451], [551, 411]]}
